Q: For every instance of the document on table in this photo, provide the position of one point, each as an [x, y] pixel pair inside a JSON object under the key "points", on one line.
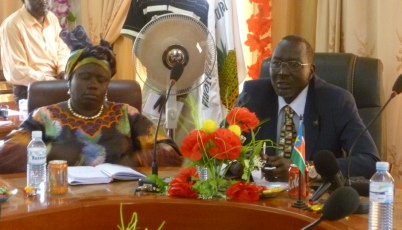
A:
{"points": [[5, 123], [100, 174]]}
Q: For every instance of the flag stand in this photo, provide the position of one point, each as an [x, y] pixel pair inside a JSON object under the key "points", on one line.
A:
{"points": [[300, 204]]}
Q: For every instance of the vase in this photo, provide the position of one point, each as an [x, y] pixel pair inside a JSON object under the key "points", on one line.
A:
{"points": [[203, 173]]}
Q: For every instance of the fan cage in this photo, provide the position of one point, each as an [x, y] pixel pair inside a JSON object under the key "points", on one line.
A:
{"points": [[167, 30]]}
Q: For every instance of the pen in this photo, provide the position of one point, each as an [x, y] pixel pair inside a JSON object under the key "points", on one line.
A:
{"points": [[263, 152], [264, 145]]}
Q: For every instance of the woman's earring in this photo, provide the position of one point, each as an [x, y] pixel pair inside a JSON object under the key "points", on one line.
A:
{"points": [[68, 92], [106, 96]]}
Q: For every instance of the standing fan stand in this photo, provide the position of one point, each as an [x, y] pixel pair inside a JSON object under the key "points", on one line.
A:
{"points": [[164, 41], [172, 114]]}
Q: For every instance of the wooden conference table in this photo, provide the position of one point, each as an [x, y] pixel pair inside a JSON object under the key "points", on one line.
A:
{"points": [[97, 207]]}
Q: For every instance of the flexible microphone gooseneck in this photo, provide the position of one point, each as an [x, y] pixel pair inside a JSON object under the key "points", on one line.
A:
{"points": [[326, 165], [396, 89], [175, 74], [341, 203]]}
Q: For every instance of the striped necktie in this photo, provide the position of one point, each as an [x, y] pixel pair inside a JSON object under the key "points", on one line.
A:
{"points": [[288, 134]]}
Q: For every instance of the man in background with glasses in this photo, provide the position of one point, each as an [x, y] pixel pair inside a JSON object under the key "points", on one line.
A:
{"points": [[330, 117]]}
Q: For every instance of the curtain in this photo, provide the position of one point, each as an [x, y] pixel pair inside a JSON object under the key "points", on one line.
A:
{"points": [[8, 7], [366, 29], [293, 17], [328, 27], [105, 18]]}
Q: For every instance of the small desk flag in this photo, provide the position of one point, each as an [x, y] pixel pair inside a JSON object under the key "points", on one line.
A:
{"points": [[298, 152]]}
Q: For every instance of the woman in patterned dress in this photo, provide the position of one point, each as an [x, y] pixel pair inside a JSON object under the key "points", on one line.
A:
{"points": [[87, 129]]}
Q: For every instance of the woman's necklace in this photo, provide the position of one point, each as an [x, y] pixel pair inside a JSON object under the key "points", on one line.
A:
{"points": [[81, 116]]}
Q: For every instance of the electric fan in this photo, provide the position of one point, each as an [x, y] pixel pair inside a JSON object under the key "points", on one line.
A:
{"points": [[167, 40]]}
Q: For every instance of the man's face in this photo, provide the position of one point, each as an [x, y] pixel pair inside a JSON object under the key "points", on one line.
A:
{"points": [[290, 78], [38, 8]]}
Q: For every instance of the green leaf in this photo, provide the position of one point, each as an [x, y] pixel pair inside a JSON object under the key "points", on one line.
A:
{"points": [[71, 17], [161, 185]]}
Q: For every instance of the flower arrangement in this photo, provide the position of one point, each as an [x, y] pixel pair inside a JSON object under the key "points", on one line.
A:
{"points": [[63, 12], [259, 25], [215, 149]]}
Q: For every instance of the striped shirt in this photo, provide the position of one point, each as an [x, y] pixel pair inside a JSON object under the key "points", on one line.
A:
{"points": [[142, 11]]}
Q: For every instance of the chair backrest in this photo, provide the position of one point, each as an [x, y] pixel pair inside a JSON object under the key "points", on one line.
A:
{"points": [[362, 76], [42, 93]]}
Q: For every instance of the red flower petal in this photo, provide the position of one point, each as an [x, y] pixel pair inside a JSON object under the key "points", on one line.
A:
{"points": [[193, 144], [227, 145], [243, 118], [243, 191]]}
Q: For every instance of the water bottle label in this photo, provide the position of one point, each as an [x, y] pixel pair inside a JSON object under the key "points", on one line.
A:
{"points": [[382, 192], [36, 156]]}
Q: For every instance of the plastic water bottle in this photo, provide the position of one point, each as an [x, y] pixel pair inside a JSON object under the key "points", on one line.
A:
{"points": [[381, 198], [36, 163]]}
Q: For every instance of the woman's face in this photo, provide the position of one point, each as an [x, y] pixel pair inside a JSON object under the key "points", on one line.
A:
{"points": [[88, 86]]}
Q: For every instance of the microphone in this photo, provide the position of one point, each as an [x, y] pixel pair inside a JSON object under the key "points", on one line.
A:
{"points": [[176, 71], [362, 186], [326, 165], [341, 203], [175, 74]]}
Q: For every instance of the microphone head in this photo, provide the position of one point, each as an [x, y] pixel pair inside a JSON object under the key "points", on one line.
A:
{"points": [[325, 164], [397, 88], [341, 203], [176, 71]]}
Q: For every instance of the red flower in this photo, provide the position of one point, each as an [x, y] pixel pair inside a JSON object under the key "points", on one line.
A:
{"points": [[243, 191], [182, 189], [186, 174], [226, 145], [193, 144], [243, 118], [191, 171]]}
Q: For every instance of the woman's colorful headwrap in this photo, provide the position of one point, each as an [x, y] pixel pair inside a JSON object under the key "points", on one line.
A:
{"points": [[83, 52]]}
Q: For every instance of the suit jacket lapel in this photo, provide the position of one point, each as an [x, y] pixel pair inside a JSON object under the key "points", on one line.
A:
{"points": [[311, 121]]}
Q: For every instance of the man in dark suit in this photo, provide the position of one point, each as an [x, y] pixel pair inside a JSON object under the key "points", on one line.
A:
{"points": [[329, 113]]}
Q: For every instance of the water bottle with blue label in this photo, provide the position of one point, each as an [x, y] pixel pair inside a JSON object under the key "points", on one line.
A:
{"points": [[36, 162], [381, 198]]}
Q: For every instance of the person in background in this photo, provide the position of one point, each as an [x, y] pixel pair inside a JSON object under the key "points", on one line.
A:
{"points": [[330, 117], [142, 11], [31, 49], [87, 129]]}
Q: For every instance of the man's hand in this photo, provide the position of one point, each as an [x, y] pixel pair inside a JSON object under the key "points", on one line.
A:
{"points": [[276, 168]]}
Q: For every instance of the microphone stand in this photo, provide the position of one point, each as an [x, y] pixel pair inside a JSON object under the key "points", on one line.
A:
{"points": [[175, 74], [348, 181], [313, 223], [154, 165]]}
